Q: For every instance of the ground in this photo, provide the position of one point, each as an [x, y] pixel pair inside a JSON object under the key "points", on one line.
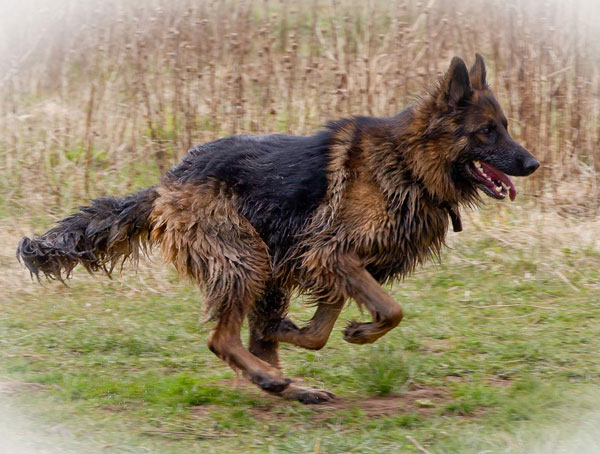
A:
{"points": [[498, 348]]}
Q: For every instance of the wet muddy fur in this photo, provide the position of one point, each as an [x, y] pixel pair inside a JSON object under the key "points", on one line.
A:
{"points": [[253, 219]]}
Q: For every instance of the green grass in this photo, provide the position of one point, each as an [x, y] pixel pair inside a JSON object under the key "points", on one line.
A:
{"points": [[494, 346], [384, 371]]}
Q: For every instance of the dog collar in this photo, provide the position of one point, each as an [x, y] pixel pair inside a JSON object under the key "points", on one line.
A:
{"points": [[454, 216]]}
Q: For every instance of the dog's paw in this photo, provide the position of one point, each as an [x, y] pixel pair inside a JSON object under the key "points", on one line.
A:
{"points": [[358, 333], [307, 395], [271, 384]]}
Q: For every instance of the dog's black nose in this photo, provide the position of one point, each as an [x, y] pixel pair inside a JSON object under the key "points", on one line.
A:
{"points": [[530, 165]]}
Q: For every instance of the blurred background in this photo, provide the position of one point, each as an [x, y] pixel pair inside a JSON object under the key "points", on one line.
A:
{"points": [[498, 351], [99, 95]]}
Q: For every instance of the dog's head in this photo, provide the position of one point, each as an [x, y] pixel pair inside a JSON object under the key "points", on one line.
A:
{"points": [[468, 130]]}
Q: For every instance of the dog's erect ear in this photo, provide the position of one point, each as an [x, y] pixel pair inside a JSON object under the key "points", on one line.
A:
{"points": [[456, 86], [477, 73]]}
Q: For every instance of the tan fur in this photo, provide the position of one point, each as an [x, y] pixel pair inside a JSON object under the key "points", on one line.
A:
{"points": [[204, 237], [358, 221]]}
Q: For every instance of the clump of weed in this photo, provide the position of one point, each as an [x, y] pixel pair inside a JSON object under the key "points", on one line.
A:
{"points": [[384, 370]]}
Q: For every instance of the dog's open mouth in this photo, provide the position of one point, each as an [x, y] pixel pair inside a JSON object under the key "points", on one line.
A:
{"points": [[492, 181]]}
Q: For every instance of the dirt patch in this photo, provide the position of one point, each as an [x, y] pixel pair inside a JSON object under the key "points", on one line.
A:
{"points": [[500, 381], [421, 400], [440, 346], [116, 408], [202, 411], [12, 387]]}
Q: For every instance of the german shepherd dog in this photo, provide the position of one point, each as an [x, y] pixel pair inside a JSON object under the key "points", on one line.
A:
{"points": [[253, 219]]}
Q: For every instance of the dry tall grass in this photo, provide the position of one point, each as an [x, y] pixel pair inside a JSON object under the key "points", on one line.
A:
{"points": [[99, 98]]}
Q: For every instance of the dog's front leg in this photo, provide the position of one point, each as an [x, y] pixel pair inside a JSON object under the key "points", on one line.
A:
{"points": [[386, 312], [315, 333]]}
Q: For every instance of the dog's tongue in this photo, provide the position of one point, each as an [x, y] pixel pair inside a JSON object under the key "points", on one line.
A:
{"points": [[498, 175]]}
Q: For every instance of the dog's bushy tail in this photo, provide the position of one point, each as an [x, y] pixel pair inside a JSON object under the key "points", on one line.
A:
{"points": [[99, 236]]}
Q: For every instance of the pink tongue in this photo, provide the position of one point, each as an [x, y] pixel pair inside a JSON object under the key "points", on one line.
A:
{"points": [[495, 173]]}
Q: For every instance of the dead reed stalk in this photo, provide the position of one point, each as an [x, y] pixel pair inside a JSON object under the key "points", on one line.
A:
{"points": [[117, 93]]}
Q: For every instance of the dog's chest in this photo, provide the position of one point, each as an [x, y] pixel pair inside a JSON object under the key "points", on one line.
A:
{"points": [[390, 238]]}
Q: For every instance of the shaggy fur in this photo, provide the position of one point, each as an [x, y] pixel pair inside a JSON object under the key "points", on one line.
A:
{"points": [[252, 219]]}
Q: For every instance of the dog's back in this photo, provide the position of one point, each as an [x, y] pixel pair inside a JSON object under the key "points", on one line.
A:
{"points": [[275, 181]]}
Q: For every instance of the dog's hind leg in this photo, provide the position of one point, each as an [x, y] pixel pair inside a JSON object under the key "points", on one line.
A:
{"points": [[266, 320], [225, 342], [232, 296], [313, 336], [204, 236], [263, 319]]}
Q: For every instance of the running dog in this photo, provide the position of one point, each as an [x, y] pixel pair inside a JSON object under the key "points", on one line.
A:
{"points": [[253, 219]]}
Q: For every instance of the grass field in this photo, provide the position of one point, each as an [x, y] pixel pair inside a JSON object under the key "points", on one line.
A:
{"points": [[499, 342]]}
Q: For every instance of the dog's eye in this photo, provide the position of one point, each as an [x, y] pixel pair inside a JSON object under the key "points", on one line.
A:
{"points": [[485, 131]]}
